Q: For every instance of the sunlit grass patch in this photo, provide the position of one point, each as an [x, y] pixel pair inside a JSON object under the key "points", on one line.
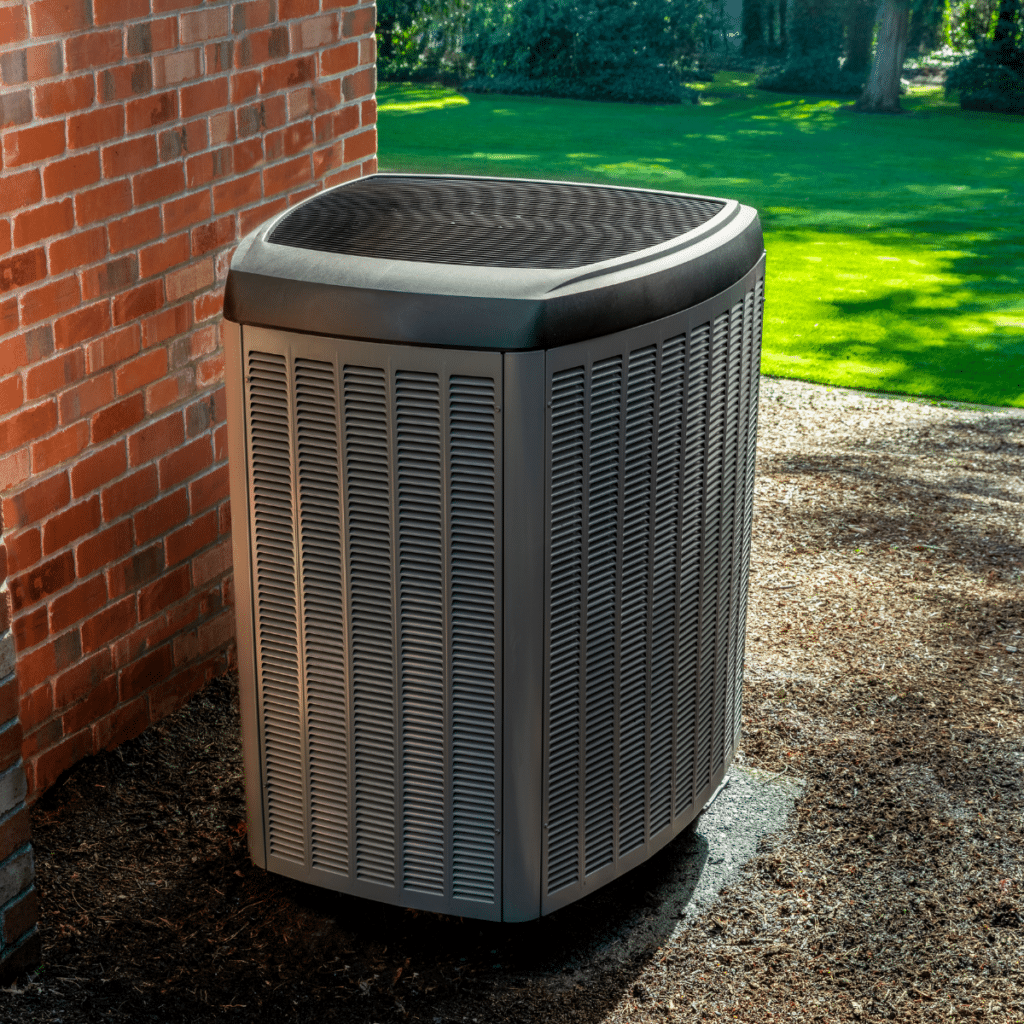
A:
{"points": [[895, 258]]}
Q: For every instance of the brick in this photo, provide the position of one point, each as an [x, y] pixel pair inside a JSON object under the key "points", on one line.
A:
{"points": [[107, 12], [30, 629], [92, 706], [216, 632], [36, 502], [150, 111], [60, 447], [5, 237], [251, 120], [293, 139], [117, 418], [36, 668], [249, 219], [214, 235], [186, 462], [103, 202], [368, 50], [154, 185], [125, 723], [141, 371], [95, 126], [14, 833], [81, 679], [50, 300], [85, 398], [150, 36], [135, 230], [211, 94], [82, 325], [360, 84], [93, 472], [244, 86], [93, 50], [78, 603], [202, 169], [27, 425], [100, 550], [15, 108], [22, 269], [79, 250], [169, 391], [54, 375], [339, 59], [13, 24], [190, 539], [42, 581], [8, 709], [360, 22], [198, 26], [161, 516], [219, 56], [184, 212], [43, 222], [362, 145], [167, 590], [125, 81], [30, 63], [165, 254], [108, 624], [12, 394], [67, 526], [206, 307], [125, 495], [64, 97], [128, 156], [112, 348], [22, 916], [203, 342], [300, 102], [23, 549], [110, 277], [314, 33], [142, 567], [238, 192], [20, 190], [142, 674], [189, 279], [368, 112], [254, 14], [51, 764], [211, 564], [136, 303], [155, 439], [165, 325], [57, 17], [326, 160], [9, 316], [27, 145], [174, 68], [287, 74]]}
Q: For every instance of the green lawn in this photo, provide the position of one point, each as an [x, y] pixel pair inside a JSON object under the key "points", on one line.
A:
{"points": [[895, 244]]}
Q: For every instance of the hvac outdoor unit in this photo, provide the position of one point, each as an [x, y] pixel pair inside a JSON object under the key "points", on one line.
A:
{"points": [[492, 462]]}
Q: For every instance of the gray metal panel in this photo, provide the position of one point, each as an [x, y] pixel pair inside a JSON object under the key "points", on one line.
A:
{"points": [[523, 674], [242, 554], [648, 443], [377, 506]]}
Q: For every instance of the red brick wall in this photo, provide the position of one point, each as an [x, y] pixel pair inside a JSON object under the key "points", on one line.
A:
{"points": [[140, 140]]}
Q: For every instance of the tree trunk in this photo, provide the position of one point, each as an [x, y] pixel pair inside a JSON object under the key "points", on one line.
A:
{"points": [[752, 26], [860, 26], [783, 34], [1005, 26], [882, 91]]}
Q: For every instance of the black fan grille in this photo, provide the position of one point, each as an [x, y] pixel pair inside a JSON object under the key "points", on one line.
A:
{"points": [[485, 222]]}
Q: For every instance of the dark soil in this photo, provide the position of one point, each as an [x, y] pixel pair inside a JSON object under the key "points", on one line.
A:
{"points": [[884, 667]]}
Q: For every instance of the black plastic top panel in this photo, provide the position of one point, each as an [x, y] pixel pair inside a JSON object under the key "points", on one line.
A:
{"points": [[489, 222], [490, 263]]}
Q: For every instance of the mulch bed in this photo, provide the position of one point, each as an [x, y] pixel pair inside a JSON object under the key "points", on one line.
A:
{"points": [[885, 668]]}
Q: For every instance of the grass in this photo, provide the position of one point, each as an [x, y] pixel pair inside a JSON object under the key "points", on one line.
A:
{"points": [[895, 249]]}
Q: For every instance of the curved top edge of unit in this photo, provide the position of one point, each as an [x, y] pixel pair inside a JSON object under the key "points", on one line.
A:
{"points": [[499, 307]]}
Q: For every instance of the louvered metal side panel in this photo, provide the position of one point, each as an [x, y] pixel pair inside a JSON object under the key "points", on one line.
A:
{"points": [[648, 452], [473, 520], [276, 604], [376, 524], [422, 630], [319, 476]]}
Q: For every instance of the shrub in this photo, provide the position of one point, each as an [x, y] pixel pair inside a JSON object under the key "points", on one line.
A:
{"points": [[990, 79]]}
